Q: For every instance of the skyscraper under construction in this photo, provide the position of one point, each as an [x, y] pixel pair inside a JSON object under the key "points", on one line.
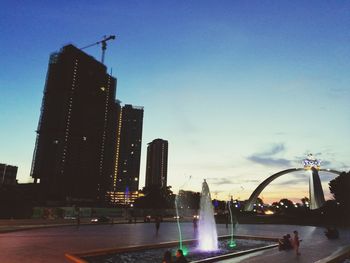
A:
{"points": [[74, 156]]}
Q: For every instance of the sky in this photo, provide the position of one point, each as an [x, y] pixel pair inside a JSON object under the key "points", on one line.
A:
{"points": [[240, 89]]}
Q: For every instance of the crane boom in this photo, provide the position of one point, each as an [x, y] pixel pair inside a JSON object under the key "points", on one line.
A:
{"points": [[104, 45]]}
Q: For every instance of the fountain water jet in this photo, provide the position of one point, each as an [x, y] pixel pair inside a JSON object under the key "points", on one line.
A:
{"points": [[178, 217], [207, 234], [232, 241], [178, 221]]}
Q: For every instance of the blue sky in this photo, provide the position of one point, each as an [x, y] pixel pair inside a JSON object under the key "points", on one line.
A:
{"points": [[240, 89]]}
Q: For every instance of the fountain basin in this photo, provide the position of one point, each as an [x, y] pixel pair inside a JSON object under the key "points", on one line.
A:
{"points": [[154, 253]]}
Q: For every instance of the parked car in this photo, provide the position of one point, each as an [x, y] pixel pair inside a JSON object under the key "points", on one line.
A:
{"points": [[100, 219]]}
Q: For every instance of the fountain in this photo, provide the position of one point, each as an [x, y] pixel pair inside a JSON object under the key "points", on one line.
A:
{"points": [[178, 222], [207, 234], [207, 246], [232, 241]]}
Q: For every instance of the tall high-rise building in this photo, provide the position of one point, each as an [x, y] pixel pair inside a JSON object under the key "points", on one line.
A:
{"points": [[157, 163], [75, 146], [8, 174], [128, 154]]}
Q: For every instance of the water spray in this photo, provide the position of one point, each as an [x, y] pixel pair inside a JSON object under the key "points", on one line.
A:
{"points": [[232, 243], [178, 217]]}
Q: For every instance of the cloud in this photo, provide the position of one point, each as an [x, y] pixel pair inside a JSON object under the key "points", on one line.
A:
{"points": [[268, 161], [221, 181], [266, 158], [276, 148], [231, 181], [250, 181], [293, 182]]}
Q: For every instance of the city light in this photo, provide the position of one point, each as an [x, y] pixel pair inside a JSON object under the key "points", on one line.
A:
{"points": [[311, 162]]}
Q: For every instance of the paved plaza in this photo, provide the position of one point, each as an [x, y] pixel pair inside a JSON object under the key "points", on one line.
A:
{"points": [[50, 244]]}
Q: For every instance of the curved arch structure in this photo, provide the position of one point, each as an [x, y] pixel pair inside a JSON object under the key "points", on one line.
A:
{"points": [[315, 188]]}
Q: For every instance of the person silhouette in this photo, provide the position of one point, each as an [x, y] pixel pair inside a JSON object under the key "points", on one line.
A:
{"points": [[157, 221], [296, 242], [195, 224], [167, 257], [180, 258]]}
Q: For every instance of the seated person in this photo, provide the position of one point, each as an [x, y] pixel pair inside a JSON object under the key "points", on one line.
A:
{"points": [[180, 258], [332, 233], [285, 242]]}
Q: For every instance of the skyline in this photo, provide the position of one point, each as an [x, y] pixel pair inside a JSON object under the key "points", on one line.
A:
{"points": [[240, 90]]}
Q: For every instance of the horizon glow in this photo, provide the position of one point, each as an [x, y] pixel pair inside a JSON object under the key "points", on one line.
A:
{"points": [[229, 85]]}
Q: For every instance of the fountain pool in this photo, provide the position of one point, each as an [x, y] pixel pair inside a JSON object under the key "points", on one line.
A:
{"points": [[194, 255]]}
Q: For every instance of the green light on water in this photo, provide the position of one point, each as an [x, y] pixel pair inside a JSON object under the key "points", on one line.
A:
{"points": [[232, 244], [185, 251]]}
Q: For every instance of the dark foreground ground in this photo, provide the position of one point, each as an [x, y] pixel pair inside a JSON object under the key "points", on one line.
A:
{"points": [[50, 244]]}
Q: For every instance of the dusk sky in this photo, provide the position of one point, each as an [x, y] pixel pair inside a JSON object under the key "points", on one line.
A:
{"points": [[240, 89]]}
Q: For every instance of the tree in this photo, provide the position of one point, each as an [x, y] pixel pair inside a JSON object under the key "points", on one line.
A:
{"points": [[331, 212], [305, 201], [340, 189], [286, 206], [286, 203], [189, 199], [156, 197]]}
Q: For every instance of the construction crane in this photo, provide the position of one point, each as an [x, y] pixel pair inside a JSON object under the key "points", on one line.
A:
{"points": [[104, 45]]}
